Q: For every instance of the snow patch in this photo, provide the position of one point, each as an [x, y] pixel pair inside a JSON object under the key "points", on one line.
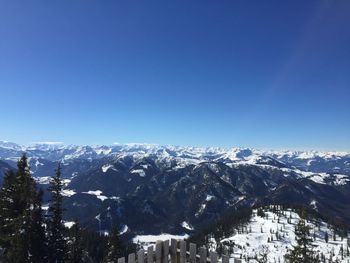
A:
{"points": [[186, 225], [209, 197], [68, 192], [140, 172], [125, 229], [97, 193], [69, 224], [106, 167]]}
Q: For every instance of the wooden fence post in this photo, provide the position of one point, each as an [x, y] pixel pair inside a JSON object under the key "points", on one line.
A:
{"points": [[165, 253], [193, 252], [173, 250], [131, 258], [149, 254], [141, 256], [182, 251], [225, 259], [159, 252], [202, 255], [177, 250], [213, 257]]}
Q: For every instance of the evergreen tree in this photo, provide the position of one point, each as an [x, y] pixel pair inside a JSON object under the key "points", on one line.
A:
{"points": [[37, 242], [20, 215], [75, 248], [114, 247], [56, 241], [302, 252], [9, 211]]}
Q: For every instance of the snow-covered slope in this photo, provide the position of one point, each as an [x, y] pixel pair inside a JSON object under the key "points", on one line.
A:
{"points": [[274, 235]]}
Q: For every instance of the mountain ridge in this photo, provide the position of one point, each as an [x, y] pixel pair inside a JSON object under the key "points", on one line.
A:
{"points": [[152, 189]]}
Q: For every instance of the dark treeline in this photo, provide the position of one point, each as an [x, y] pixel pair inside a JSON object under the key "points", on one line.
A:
{"points": [[29, 235], [224, 227]]}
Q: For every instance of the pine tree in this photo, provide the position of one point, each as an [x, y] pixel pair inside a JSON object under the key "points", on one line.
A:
{"points": [[75, 248], [37, 242], [19, 249], [115, 247], [302, 252], [9, 211], [56, 241], [19, 208]]}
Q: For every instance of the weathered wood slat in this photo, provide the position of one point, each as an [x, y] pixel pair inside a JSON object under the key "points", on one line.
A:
{"points": [[182, 251], [159, 252], [131, 258], [121, 260], [173, 251], [149, 254], [193, 251], [176, 252], [213, 257], [165, 254], [225, 259], [202, 255], [141, 256]]}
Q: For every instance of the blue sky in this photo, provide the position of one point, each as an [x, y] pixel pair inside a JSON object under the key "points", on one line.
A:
{"points": [[264, 74]]}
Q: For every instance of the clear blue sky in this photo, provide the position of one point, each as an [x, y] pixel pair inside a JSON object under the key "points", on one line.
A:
{"points": [[265, 74]]}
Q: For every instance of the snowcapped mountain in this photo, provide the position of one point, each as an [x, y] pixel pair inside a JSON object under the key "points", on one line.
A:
{"points": [[152, 188], [313, 161]]}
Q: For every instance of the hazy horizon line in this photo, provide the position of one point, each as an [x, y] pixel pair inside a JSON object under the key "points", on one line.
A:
{"points": [[296, 149]]}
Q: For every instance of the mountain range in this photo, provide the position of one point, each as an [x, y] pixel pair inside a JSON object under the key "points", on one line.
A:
{"points": [[153, 189]]}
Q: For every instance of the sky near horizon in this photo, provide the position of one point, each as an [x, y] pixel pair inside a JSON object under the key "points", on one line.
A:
{"points": [[262, 74]]}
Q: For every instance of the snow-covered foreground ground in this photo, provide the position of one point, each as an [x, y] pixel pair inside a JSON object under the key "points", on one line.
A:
{"points": [[271, 234], [258, 234]]}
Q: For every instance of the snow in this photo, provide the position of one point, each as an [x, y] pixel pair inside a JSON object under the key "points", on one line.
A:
{"points": [[341, 179], [201, 210], [145, 166], [140, 172], [186, 225], [313, 204], [320, 178], [37, 163], [68, 192], [103, 150], [209, 197], [97, 193], [69, 224], [66, 181], [106, 167], [125, 229], [249, 244], [43, 179], [178, 157]]}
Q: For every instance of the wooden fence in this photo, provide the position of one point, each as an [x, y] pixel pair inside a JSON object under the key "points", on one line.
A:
{"points": [[176, 252]]}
